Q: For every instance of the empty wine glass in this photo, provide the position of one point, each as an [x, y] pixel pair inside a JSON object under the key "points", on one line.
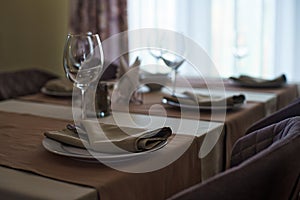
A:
{"points": [[171, 52], [83, 62], [174, 62], [240, 50]]}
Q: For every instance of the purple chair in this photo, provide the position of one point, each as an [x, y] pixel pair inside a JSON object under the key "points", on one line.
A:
{"points": [[265, 165], [23, 82], [291, 110]]}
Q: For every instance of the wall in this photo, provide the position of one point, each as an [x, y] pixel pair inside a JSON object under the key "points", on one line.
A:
{"points": [[32, 34]]}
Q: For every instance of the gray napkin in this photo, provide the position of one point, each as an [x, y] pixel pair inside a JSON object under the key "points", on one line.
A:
{"points": [[249, 81], [206, 100], [110, 135], [59, 85]]}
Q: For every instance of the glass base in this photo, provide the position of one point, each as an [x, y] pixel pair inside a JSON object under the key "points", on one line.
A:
{"points": [[102, 114]]}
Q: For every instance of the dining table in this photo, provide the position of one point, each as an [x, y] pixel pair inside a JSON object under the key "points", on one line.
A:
{"points": [[24, 158], [205, 139], [270, 98], [284, 94]]}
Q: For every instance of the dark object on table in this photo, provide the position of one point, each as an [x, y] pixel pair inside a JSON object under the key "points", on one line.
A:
{"points": [[23, 82], [248, 81], [102, 100], [109, 72], [265, 166]]}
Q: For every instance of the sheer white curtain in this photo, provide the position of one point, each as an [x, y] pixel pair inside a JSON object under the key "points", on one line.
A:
{"points": [[287, 39], [243, 35], [254, 37], [191, 18]]}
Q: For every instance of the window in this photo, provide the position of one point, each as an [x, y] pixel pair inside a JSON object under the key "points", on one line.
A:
{"points": [[254, 37]]}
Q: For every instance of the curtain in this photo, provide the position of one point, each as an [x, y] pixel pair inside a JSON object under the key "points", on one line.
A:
{"points": [[191, 18], [105, 17], [254, 37]]}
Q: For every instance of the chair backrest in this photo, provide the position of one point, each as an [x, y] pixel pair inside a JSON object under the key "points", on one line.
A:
{"points": [[291, 110], [261, 139], [23, 82], [268, 168]]}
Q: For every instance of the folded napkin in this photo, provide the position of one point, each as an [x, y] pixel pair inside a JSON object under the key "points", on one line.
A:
{"points": [[259, 82], [105, 139], [190, 98], [125, 67], [128, 83], [59, 85]]}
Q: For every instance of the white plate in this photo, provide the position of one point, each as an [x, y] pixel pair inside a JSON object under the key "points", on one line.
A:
{"points": [[186, 106], [78, 153], [56, 93]]}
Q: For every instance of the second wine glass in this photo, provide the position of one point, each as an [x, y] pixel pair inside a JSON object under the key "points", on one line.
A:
{"points": [[173, 62], [172, 52], [83, 62]]}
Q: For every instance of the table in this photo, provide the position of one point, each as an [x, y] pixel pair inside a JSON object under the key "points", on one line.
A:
{"points": [[260, 103], [268, 99], [257, 108], [177, 176], [284, 94], [184, 172]]}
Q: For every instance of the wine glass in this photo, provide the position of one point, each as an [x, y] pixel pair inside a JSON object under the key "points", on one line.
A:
{"points": [[171, 52], [240, 50], [174, 62], [83, 62]]}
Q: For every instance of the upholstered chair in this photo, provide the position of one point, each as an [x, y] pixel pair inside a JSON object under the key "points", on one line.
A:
{"points": [[23, 82], [265, 165]]}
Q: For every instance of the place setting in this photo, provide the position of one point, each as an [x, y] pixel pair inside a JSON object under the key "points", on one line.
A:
{"points": [[105, 142], [60, 87], [202, 101], [88, 139]]}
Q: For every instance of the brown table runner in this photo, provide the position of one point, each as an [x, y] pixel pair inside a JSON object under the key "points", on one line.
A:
{"points": [[21, 136]]}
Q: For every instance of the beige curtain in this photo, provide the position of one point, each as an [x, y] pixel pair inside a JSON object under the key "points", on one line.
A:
{"points": [[105, 17]]}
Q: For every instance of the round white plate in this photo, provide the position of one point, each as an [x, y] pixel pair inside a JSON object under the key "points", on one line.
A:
{"points": [[55, 93], [186, 106], [74, 152]]}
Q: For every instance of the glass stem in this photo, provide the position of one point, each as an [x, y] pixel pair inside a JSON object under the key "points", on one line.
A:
{"points": [[83, 103], [174, 82]]}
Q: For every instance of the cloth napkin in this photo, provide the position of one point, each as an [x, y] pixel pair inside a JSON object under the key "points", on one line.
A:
{"points": [[190, 98], [59, 85], [111, 138], [259, 82], [128, 83]]}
